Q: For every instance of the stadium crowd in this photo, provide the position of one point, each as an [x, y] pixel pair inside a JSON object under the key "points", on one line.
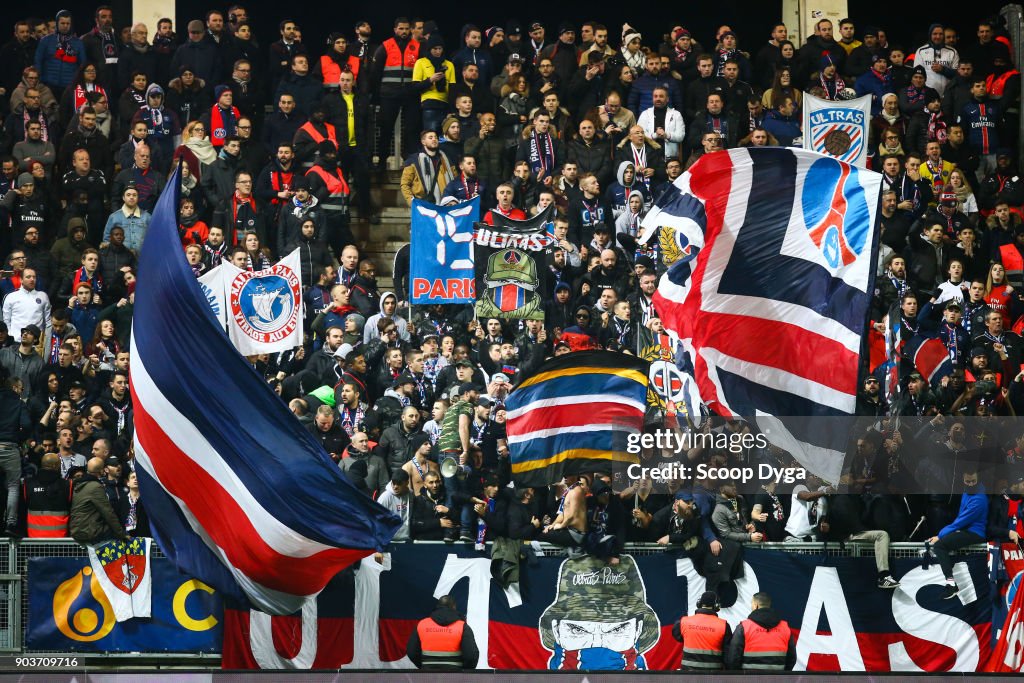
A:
{"points": [[276, 144]]}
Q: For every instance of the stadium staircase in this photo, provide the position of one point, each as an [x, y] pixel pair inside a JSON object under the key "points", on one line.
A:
{"points": [[381, 242]]}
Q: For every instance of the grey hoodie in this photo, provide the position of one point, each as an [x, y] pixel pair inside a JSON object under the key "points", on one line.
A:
{"points": [[370, 331]]}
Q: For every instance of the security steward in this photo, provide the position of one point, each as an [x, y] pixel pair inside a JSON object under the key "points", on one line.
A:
{"points": [[443, 641], [48, 500], [763, 641], [705, 636]]}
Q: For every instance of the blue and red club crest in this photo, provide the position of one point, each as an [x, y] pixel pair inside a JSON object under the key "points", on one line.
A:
{"points": [[835, 211], [512, 257]]}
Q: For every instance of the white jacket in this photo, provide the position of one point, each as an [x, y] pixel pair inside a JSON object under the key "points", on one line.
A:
{"points": [[22, 308], [675, 130], [927, 55]]}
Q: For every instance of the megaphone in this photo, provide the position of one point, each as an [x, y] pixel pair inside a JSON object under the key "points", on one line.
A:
{"points": [[450, 467]]}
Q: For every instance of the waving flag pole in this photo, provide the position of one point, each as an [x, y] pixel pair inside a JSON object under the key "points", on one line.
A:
{"points": [[238, 493]]}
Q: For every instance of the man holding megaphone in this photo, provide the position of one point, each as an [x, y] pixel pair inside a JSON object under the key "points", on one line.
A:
{"points": [[453, 446]]}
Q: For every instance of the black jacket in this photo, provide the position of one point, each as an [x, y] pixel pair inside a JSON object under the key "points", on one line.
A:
{"points": [[14, 419], [425, 523], [314, 255], [337, 116], [595, 157], [142, 529]]}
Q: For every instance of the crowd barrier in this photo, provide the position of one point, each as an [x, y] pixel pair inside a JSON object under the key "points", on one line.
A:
{"points": [[195, 624]]}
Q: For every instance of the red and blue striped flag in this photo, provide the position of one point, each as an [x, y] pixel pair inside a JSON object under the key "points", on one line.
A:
{"points": [[574, 415], [931, 358], [774, 308], [238, 493]]}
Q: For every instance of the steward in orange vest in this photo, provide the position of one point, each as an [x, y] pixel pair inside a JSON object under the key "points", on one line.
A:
{"points": [[763, 641], [443, 641], [704, 635], [335, 61], [310, 134], [48, 500]]}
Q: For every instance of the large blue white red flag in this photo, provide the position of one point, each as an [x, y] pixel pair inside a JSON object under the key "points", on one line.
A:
{"points": [[239, 495], [773, 308]]}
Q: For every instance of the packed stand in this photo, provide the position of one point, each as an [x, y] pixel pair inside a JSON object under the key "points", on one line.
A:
{"points": [[278, 145]]}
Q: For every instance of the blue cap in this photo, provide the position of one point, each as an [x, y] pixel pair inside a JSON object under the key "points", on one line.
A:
{"points": [[684, 495]]}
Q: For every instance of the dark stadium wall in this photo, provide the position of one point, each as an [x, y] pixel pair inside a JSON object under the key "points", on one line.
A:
{"points": [[751, 20]]}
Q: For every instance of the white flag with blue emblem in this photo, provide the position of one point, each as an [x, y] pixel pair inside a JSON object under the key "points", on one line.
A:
{"points": [[262, 310], [838, 129]]}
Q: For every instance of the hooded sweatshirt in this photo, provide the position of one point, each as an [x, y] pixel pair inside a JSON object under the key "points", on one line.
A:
{"points": [[618, 193], [370, 331], [161, 122], [628, 222]]}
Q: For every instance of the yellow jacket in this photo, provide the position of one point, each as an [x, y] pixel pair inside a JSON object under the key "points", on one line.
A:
{"points": [[423, 70]]}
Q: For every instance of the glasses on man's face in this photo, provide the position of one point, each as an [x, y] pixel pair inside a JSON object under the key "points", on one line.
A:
{"points": [[244, 127]]}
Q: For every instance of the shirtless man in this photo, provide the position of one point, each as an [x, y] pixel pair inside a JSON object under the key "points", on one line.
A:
{"points": [[420, 464], [570, 525]]}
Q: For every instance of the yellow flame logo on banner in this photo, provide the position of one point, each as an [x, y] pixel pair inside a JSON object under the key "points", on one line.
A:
{"points": [[84, 625]]}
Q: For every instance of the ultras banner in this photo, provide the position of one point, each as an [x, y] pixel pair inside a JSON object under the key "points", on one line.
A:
{"points": [[622, 615]]}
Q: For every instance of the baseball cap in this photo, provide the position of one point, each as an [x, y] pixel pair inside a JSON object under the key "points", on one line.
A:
{"points": [[535, 25], [953, 305], [485, 401], [112, 461], [343, 351], [684, 495], [499, 377], [978, 351], [515, 57], [468, 386], [464, 363], [34, 329]]}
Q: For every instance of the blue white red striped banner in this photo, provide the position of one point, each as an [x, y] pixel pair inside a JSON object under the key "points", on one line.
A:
{"points": [[238, 493]]}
